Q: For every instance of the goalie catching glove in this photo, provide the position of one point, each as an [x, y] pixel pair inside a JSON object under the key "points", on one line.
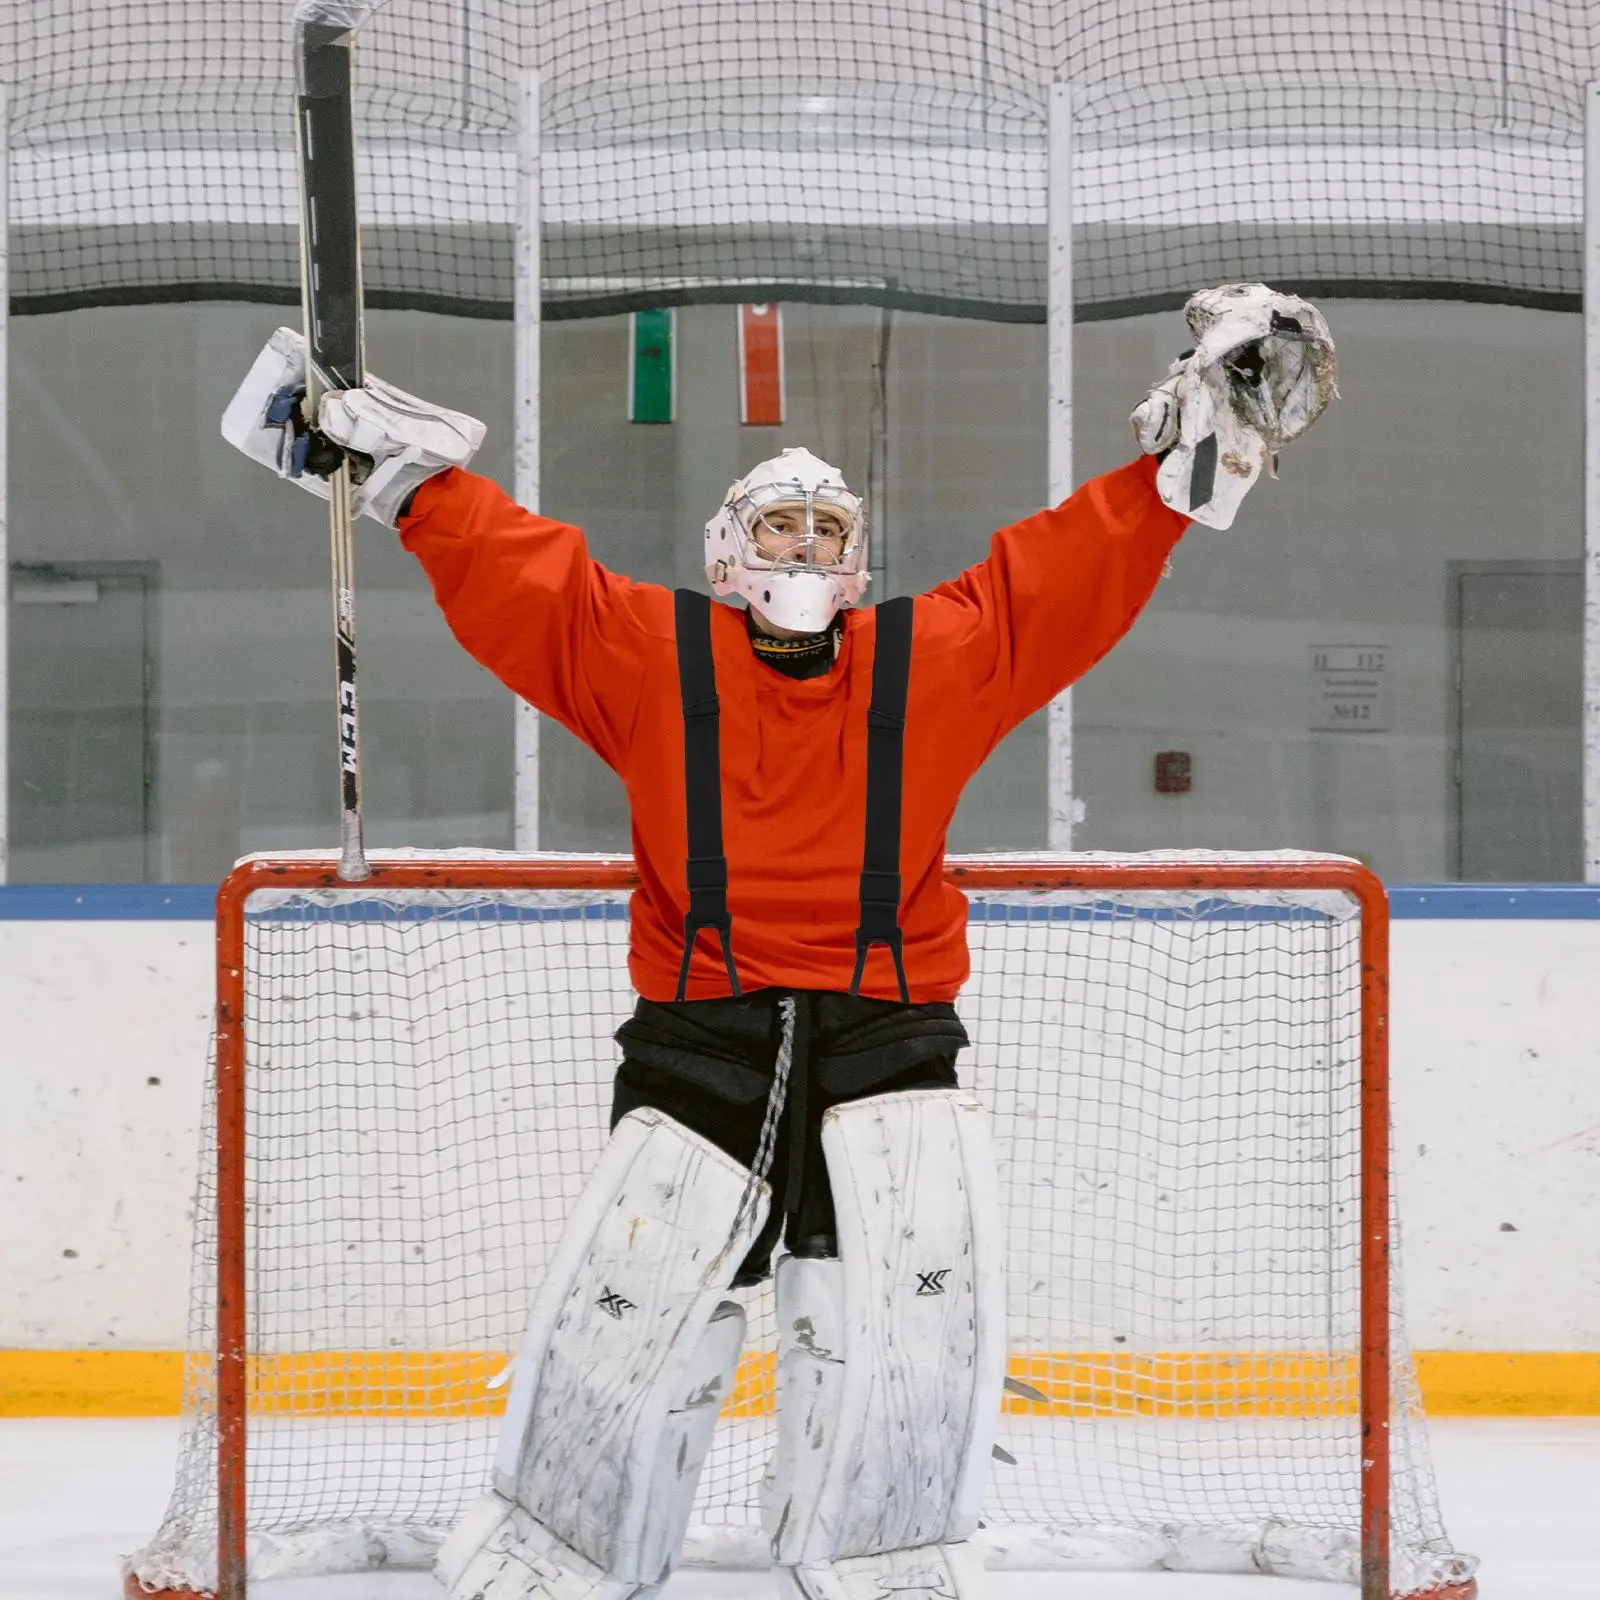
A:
{"points": [[1261, 372], [393, 441]]}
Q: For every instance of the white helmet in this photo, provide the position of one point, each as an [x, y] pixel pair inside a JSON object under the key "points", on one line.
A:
{"points": [[796, 587]]}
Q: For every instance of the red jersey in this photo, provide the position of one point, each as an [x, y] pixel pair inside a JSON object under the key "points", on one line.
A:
{"points": [[598, 653]]}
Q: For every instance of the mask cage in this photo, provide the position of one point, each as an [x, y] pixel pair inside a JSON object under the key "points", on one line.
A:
{"points": [[751, 508]]}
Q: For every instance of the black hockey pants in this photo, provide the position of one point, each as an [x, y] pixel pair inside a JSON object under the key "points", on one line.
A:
{"points": [[709, 1064]]}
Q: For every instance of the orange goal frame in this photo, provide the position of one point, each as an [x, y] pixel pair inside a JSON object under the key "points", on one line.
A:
{"points": [[1001, 873]]}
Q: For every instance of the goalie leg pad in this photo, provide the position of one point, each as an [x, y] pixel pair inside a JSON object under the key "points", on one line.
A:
{"points": [[629, 1352], [891, 1359], [515, 1557]]}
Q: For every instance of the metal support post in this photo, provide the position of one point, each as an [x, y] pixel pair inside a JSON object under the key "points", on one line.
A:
{"points": [[1062, 812], [5, 558], [1591, 484], [528, 312]]}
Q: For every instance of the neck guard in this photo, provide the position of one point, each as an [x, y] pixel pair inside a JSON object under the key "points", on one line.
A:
{"points": [[809, 656]]}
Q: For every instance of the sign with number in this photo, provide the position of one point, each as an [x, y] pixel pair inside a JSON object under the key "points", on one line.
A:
{"points": [[1350, 687]]}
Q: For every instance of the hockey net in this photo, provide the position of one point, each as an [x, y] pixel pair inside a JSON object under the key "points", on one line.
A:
{"points": [[892, 152], [1185, 1061]]}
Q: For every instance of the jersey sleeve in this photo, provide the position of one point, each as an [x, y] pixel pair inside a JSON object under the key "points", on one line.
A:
{"points": [[526, 600], [1057, 591]]}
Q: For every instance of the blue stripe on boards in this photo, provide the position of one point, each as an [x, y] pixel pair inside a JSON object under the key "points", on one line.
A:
{"points": [[1442, 902], [1495, 902], [108, 902], [196, 902]]}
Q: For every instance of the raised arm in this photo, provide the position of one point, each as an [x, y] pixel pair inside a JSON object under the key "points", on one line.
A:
{"points": [[1061, 588], [518, 590], [526, 600], [1057, 590]]}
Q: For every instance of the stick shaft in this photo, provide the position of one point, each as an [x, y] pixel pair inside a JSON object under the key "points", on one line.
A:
{"points": [[330, 290]]}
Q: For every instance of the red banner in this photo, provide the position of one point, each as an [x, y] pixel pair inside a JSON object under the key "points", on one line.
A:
{"points": [[761, 366]]}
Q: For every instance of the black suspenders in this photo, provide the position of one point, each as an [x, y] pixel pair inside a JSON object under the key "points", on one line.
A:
{"points": [[886, 746], [702, 783], [702, 775]]}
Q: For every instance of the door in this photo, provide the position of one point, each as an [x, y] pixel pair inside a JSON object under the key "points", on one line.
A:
{"points": [[1517, 642], [82, 758]]}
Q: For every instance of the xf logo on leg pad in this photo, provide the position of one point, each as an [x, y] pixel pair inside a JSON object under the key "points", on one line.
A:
{"points": [[932, 1282], [614, 1304]]}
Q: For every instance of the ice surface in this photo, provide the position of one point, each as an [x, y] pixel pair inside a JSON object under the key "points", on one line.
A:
{"points": [[75, 1494]]}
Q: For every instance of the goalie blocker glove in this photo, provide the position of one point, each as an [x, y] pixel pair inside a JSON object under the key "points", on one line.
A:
{"points": [[393, 441], [1261, 372]]}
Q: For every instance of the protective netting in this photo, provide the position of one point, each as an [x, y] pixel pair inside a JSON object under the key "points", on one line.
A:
{"points": [[1174, 1080], [887, 151]]}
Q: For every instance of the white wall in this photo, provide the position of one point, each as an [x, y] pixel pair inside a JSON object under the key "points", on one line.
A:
{"points": [[1496, 1092], [103, 1035]]}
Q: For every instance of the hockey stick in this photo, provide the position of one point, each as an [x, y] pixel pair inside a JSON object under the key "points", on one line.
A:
{"points": [[330, 297]]}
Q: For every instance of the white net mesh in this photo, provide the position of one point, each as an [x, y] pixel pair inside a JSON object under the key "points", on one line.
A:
{"points": [[891, 152], [1174, 1079]]}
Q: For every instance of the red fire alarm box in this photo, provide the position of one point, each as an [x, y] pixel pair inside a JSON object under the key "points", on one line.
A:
{"points": [[1174, 770]]}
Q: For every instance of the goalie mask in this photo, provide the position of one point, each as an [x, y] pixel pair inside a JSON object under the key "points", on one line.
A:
{"points": [[792, 539]]}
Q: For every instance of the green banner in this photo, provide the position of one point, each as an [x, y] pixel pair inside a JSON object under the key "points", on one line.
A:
{"points": [[650, 387]]}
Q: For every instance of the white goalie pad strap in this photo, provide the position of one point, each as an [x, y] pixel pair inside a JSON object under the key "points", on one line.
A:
{"points": [[629, 1352], [930, 1572], [498, 1551], [891, 1359]]}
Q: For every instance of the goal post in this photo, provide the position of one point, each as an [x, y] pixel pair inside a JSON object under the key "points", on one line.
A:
{"points": [[1185, 1057]]}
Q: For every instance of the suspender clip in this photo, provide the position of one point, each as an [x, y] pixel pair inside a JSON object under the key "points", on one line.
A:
{"points": [[864, 944]]}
